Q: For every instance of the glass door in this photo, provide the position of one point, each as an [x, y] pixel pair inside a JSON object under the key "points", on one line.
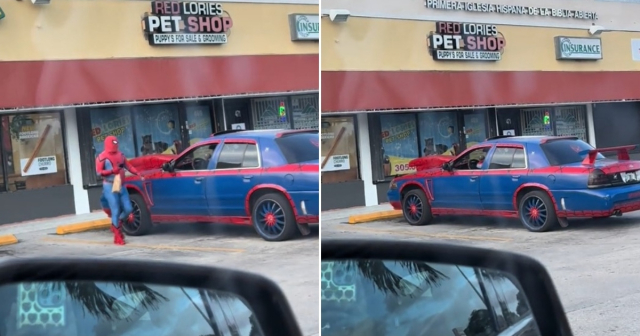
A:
{"points": [[475, 127], [198, 123]]}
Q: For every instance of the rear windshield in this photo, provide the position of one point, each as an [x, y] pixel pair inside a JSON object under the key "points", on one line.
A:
{"points": [[563, 152], [299, 147]]}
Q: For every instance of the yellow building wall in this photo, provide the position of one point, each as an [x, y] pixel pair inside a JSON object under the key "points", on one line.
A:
{"points": [[103, 29], [367, 44]]}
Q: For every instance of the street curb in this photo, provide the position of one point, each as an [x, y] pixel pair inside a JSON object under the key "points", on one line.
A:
{"points": [[375, 216], [8, 240], [97, 224]]}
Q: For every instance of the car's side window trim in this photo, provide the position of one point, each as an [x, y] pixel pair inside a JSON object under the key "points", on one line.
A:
{"points": [[241, 142], [516, 147], [192, 150]]}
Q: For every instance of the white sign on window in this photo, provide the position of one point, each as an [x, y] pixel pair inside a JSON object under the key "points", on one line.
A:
{"points": [[336, 163], [39, 166], [238, 126]]}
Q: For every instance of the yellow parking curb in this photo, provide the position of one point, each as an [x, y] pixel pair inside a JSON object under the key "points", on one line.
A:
{"points": [[84, 226], [8, 240], [375, 216]]}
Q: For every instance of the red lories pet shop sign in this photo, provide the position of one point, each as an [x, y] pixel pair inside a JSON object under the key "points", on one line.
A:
{"points": [[187, 22], [455, 41]]}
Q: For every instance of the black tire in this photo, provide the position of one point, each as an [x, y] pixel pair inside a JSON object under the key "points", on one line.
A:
{"points": [[415, 200], [281, 225], [142, 224], [544, 218]]}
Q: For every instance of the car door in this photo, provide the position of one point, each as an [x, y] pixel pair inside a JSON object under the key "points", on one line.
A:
{"points": [[505, 172], [237, 168], [181, 192], [459, 188]]}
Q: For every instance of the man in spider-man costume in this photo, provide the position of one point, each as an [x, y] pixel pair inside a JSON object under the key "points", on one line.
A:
{"points": [[110, 163]]}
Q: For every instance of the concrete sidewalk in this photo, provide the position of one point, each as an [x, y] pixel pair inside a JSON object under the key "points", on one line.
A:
{"points": [[342, 216], [49, 224]]}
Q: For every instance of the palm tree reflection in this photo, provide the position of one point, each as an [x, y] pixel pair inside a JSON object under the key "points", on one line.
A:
{"points": [[390, 282], [106, 307]]}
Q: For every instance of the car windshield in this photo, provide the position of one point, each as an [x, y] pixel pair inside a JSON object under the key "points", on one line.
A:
{"points": [[299, 147], [563, 152], [391, 298]]}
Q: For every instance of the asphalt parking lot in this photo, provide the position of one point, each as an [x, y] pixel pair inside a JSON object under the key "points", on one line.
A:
{"points": [[595, 264], [292, 264]]}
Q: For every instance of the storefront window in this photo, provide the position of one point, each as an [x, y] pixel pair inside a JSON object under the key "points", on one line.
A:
{"points": [[33, 151], [199, 124], [157, 129], [305, 112], [438, 133], [112, 121], [271, 113], [560, 120], [399, 143], [339, 156]]}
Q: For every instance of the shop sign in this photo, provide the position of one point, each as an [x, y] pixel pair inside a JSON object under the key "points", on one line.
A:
{"points": [[304, 27], [336, 163], [1, 14], [39, 166], [186, 22], [480, 7], [578, 48], [455, 41]]}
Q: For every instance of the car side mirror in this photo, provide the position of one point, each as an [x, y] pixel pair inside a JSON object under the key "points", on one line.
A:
{"points": [[168, 166], [445, 282], [133, 295], [447, 166]]}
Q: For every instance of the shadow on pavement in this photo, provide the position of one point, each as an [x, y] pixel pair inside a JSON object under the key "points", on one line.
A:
{"points": [[219, 230]]}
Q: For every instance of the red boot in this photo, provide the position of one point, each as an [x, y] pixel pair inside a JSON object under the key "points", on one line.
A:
{"points": [[118, 237]]}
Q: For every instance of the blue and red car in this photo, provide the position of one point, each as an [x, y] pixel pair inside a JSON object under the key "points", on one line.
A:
{"points": [[268, 179], [541, 180]]}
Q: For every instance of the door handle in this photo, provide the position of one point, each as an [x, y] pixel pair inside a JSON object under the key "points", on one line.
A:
{"points": [[247, 177], [515, 177], [473, 178], [198, 180]]}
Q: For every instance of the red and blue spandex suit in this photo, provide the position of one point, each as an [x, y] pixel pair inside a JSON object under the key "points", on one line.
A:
{"points": [[109, 163]]}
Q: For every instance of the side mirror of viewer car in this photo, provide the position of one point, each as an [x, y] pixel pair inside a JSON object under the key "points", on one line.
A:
{"points": [[118, 297], [377, 287]]}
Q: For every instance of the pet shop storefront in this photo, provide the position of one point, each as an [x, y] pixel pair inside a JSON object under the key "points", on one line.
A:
{"points": [[438, 87], [159, 75]]}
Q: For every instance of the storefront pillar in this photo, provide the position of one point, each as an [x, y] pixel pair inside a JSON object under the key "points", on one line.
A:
{"points": [[591, 130], [74, 167], [364, 151]]}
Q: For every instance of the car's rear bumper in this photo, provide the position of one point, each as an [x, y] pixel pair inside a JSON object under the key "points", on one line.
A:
{"points": [[598, 202], [306, 204]]}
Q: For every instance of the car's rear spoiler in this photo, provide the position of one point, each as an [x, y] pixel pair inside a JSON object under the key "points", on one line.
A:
{"points": [[623, 153]]}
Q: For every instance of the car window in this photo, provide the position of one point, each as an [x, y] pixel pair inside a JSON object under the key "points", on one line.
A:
{"points": [[471, 160], [251, 159], [235, 155], [507, 158], [430, 299], [197, 158], [562, 152], [299, 147]]}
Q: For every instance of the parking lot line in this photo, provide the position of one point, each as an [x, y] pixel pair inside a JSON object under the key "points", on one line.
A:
{"points": [[143, 246], [429, 235]]}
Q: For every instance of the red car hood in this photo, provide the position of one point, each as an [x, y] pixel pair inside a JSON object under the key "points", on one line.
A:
{"points": [[428, 162], [150, 162]]}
